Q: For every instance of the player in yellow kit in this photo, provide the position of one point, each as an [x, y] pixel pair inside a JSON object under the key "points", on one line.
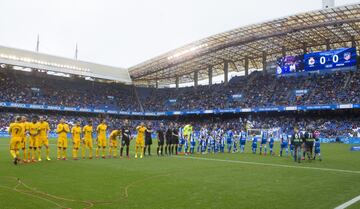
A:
{"points": [[42, 139], [76, 137], [140, 140], [33, 132], [62, 130], [26, 157], [101, 138], [16, 134], [113, 142], [87, 140]]}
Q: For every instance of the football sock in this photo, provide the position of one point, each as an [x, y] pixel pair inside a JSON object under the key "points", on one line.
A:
{"points": [[13, 153], [59, 153], [97, 151], [64, 153]]}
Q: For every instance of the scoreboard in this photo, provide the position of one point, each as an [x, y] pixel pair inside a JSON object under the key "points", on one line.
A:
{"points": [[317, 61], [338, 58]]}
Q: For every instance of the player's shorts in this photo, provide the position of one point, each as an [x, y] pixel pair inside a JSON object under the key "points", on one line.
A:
{"points": [[271, 145], [101, 142], [168, 140], [33, 142], [175, 140], [242, 142], [254, 145], [88, 143], [297, 144], [76, 144], [160, 142], [317, 150], [284, 145], [229, 142], [192, 143], [140, 142], [62, 143], [309, 144], [113, 143], [263, 142], [15, 143], [23, 142], [41, 141], [182, 141], [125, 142], [148, 141]]}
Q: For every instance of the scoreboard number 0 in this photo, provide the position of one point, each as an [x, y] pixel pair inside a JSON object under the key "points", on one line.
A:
{"points": [[322, 60], [335, 59]]}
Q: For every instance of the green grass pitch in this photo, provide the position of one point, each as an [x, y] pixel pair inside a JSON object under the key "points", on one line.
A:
{"points": [[201, 181]]}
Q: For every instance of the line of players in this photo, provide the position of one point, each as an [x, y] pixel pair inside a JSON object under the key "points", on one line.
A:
{"points": [[176, 140], [218, 140], [31, 137]]}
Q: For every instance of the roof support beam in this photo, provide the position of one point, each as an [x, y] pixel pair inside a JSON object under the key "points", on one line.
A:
{"points": [[264, 61], [196, 78], [246, 66], [226, 72], [210, 75], [177, 82]]}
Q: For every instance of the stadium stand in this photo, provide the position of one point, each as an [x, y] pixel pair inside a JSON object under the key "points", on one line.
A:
{"points": [[33, 88], [259, 90]]}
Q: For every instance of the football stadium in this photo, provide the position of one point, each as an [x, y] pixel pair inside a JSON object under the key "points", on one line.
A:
{"points": [[261, 116]]}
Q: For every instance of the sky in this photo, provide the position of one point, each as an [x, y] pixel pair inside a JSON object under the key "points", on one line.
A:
{"points": [[124, 33]]}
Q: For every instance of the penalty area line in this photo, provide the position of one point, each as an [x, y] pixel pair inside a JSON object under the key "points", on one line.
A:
{"points": [[271, 164], [348, 203]]}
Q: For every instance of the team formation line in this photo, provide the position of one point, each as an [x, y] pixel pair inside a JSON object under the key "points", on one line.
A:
{"points": [[173, 139]]}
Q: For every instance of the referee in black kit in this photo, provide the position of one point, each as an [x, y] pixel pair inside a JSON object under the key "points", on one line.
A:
{"points": [[161, 140], [148, 139], [175, 139], [168, 138], [125, 139]]}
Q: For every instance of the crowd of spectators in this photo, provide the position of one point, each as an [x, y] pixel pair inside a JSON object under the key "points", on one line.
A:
{"points": [[257, 90], [39, 88]]}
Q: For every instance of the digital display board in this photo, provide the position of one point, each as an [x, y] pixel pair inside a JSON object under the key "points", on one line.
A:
{"points": [[338, 58], [290, 64]]}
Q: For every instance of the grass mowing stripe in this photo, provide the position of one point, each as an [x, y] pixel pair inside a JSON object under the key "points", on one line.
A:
{"points": [[272, 164], [348, 203]]}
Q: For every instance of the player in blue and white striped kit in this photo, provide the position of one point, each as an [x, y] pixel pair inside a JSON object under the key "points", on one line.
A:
{"points": [[229, 139], [193, 138], [243, 137], [222, 142], [181, 140], [284, 144], [271, 144], [292, 147], [211, 142], [235, 141], [264, 138], [203, 139], [254, 144], [317, 149]]}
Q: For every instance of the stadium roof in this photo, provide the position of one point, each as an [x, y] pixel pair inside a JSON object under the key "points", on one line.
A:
{"points": [[335, 27], [35, 60]]}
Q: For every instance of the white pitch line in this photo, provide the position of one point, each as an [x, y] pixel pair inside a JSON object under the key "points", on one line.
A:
{"points": [[272, 164], [348, 203]]}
